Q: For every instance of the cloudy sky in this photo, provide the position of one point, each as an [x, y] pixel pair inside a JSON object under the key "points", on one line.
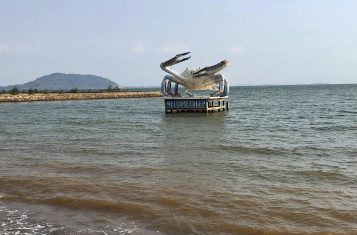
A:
{"points": [[266, 41]]}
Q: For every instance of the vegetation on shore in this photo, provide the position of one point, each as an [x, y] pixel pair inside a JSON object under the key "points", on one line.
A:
{"points": [[30, 91]]}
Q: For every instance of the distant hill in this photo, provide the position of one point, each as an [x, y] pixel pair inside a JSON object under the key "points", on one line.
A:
{"points": [[61, 81]]}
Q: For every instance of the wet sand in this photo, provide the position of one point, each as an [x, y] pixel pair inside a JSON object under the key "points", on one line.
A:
{"points": [[76, 96]]}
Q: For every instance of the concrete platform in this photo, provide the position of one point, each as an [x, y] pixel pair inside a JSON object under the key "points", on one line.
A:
{"points": [[196, 104]]}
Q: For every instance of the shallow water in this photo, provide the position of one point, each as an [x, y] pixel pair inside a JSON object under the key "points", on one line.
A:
{"points": [[283, 160]]}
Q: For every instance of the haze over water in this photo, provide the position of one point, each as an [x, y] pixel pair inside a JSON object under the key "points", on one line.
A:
{"points": [[281, 161]]}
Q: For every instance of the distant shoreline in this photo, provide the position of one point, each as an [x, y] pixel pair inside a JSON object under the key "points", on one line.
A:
{"points": [[24, 97]]}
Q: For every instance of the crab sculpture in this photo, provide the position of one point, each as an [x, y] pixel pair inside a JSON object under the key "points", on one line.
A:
{"points": [[207, 78]]}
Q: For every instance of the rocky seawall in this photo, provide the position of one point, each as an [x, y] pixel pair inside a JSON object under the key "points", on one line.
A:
{"points": [[75, 96]]}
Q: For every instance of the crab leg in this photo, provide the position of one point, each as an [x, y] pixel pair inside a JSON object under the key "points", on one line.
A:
{"points": [[166, 86], [223, 87]]}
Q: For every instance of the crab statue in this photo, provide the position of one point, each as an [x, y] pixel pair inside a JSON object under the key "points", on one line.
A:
{"points": [[207, 78]]}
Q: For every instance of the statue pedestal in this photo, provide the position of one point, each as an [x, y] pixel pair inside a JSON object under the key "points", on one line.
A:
{"points": [[196, 104]]}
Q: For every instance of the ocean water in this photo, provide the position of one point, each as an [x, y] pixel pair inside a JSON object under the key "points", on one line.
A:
{"points": [[282, 160]]}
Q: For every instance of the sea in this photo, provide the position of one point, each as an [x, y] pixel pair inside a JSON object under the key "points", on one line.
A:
{"points": [[282, 160]]}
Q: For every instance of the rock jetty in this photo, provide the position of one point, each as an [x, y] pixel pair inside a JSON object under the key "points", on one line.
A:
{"points": [[76, 96]]}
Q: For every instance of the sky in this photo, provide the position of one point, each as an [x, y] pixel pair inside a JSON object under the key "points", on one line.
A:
{"points": [[268, 42]]}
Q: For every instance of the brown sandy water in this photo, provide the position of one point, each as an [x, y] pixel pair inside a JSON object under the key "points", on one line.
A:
{"points": [[283, 160]]}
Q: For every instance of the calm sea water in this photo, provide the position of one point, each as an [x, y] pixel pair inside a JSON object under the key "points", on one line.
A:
{"points": [[283, 160]]}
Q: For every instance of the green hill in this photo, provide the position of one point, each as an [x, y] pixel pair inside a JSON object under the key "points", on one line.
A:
{"points": [[61, 81]]}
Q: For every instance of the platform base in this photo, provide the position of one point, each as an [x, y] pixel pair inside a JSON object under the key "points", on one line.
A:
{"points": [[196, 104]]}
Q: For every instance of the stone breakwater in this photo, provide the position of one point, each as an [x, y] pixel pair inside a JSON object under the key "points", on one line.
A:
{"points": [[76, 96]]}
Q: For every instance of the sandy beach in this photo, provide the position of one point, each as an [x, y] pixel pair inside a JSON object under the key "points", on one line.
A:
{"points": [[75, 96]]}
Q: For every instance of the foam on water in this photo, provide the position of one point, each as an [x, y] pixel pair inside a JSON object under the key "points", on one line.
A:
{"points": [[23, 221], [16, 221]]}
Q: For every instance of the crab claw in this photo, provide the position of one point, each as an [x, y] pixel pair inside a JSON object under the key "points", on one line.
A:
{"points": [[207, 71], [175, 60], [182, 54]]}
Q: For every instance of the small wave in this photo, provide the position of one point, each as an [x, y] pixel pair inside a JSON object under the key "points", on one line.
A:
{"points": [[319, 175], [334, 128], [249, 150], [125, 207], [348, 111]]}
